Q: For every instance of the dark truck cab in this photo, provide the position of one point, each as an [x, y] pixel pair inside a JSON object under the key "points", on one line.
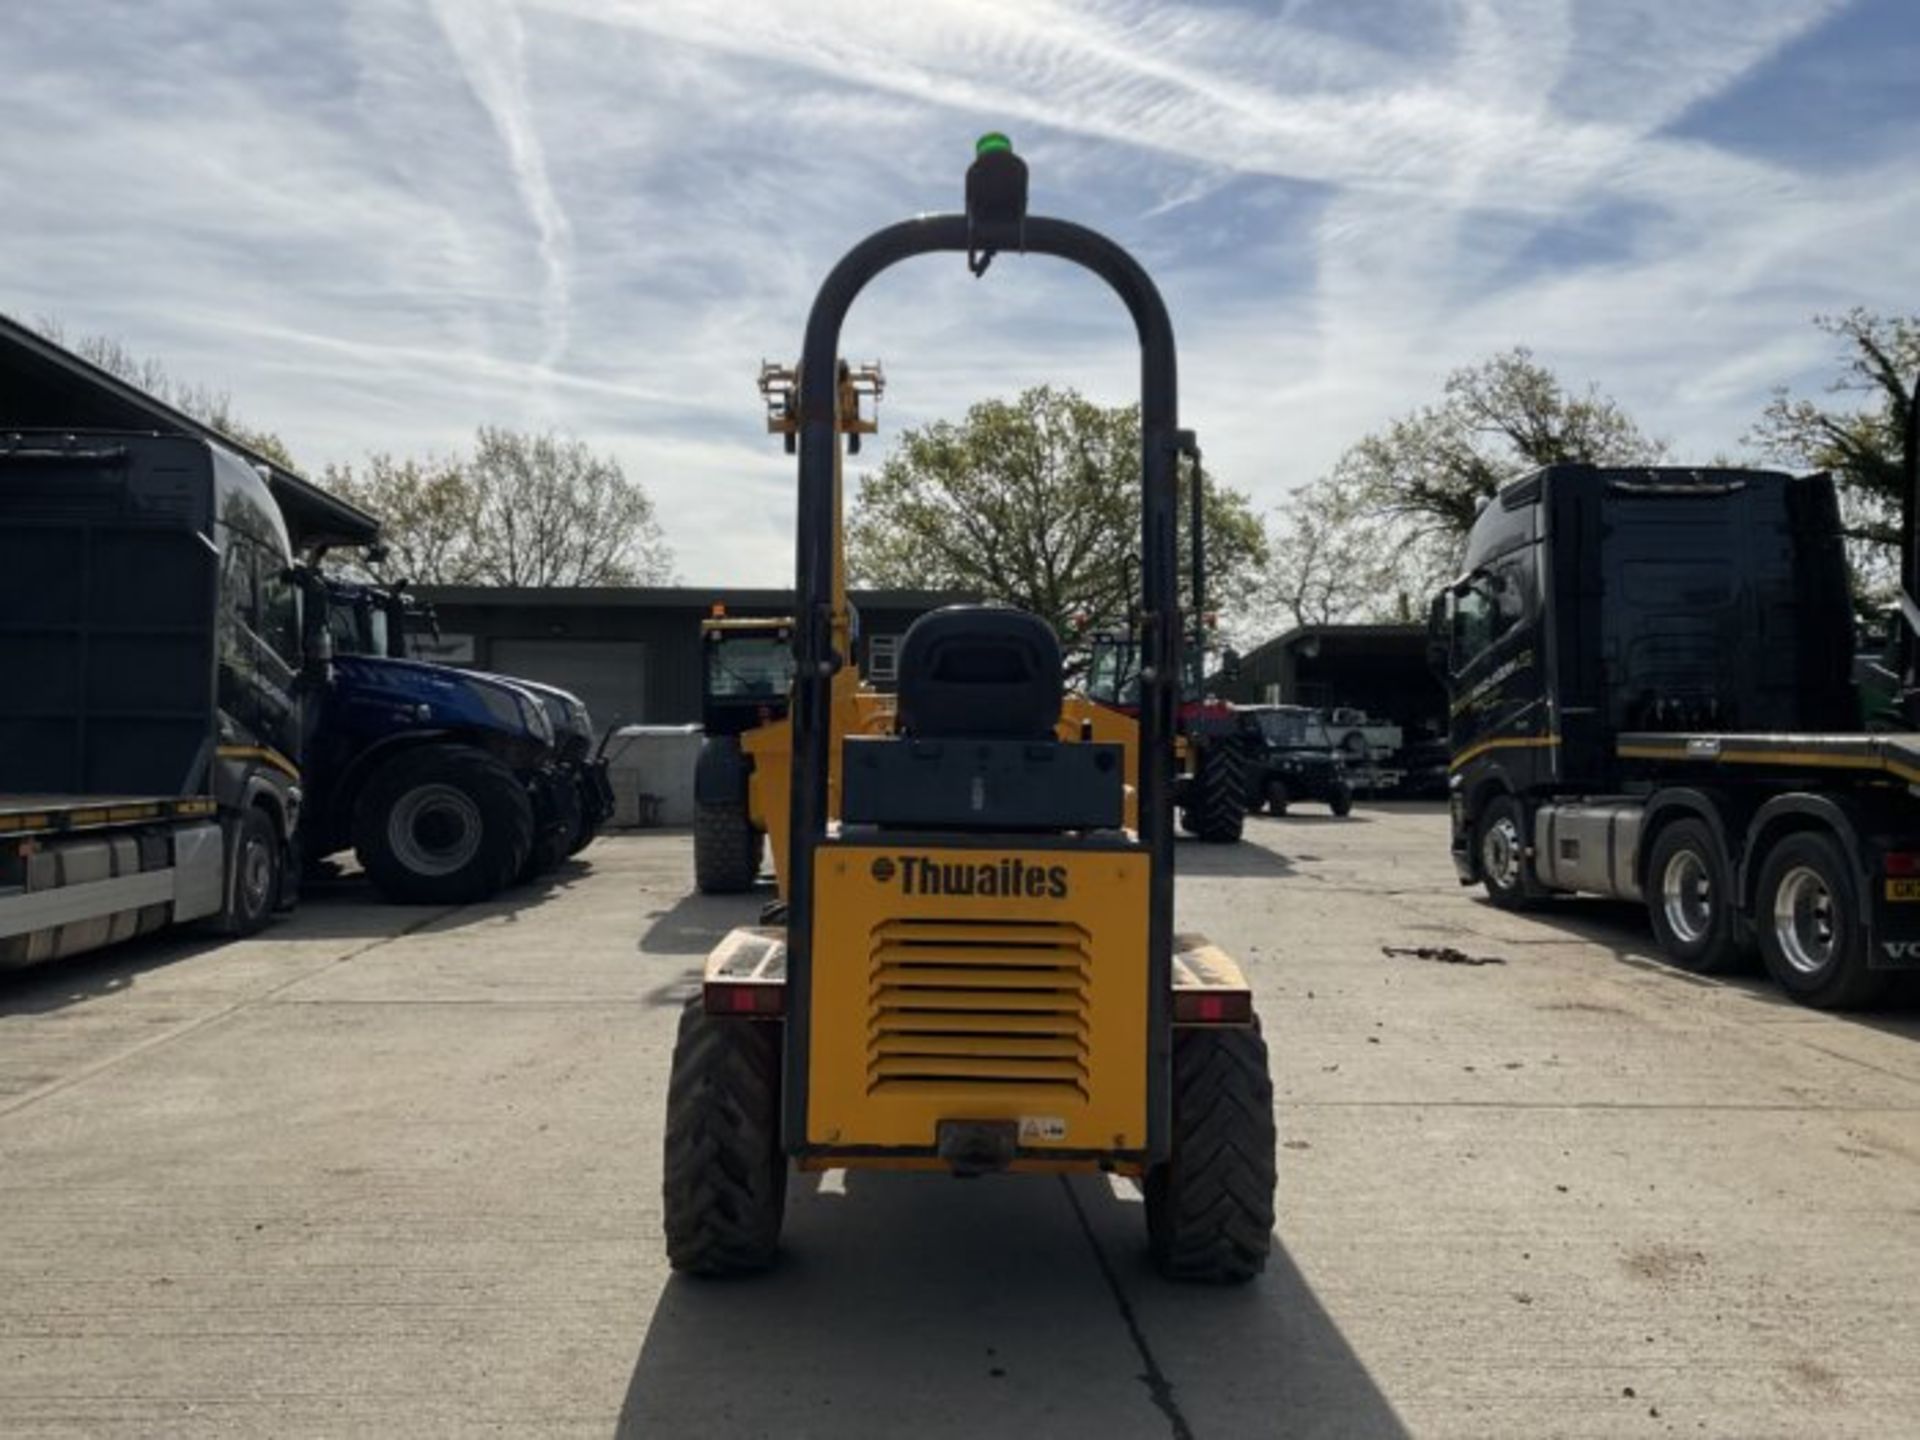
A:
{"points": [[151, 726], [1650, 697]]}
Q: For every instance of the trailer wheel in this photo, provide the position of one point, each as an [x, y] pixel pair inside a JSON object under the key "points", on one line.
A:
{"points": [[1500, 847], [1808, 914], [1217, 811], [443, 825], [256, 873], [1277, 796], [725, 1185], [726, 848], [1689, 890], [1210, 1205]]}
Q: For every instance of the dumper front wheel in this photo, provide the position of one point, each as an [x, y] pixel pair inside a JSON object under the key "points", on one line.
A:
{"points": [[726, 1176], [1210, 1206], [726, 849]]}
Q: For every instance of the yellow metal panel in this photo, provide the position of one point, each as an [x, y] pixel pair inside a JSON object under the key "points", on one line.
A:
{"points": [[979, 1006]]}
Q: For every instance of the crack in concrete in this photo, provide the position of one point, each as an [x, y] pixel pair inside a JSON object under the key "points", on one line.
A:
{"points": [[1159, 1388]]}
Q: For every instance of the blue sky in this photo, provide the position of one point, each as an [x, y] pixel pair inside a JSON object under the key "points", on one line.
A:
{"points": [[380, 224]]}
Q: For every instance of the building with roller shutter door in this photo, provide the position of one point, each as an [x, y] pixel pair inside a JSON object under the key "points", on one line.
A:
{"points": [[633, 653]]}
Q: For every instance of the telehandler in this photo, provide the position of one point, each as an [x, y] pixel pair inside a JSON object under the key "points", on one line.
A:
{"points": [[978, 970]]}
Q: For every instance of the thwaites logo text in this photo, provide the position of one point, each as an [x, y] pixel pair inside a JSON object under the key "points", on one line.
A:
{"points": [[923, 875]]}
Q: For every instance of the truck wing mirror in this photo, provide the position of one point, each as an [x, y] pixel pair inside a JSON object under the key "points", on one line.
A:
{"points": [[1438, 632], [1229, 664]]}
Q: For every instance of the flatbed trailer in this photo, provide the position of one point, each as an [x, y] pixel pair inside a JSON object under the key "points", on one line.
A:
{"points": [[80, 871]]}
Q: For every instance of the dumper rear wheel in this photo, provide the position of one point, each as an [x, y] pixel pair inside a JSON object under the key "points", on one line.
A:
{"points": [[726, 848], [726, 1176], [1210, 1206]]}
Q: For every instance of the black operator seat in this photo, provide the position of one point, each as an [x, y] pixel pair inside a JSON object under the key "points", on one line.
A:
{"points": [[976, 746], [980, 672]]}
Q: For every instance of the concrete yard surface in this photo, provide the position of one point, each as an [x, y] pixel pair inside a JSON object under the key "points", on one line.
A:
{"points": [[397, 1171]]}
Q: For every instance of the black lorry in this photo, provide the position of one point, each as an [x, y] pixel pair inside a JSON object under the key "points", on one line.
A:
{"points": [[151, 727], [1649, 676]]}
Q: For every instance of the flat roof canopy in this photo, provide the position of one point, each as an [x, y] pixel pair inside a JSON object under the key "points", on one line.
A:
{"points": [[45, 386]]}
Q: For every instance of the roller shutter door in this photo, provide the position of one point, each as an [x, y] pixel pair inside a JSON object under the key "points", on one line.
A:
{"points": [[610, 675]]}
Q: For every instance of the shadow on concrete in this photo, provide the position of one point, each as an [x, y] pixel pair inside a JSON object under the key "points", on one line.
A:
{"points": [[339, 906], [916, 1304], [1248, 860], [1621, 927], [694, 923]]}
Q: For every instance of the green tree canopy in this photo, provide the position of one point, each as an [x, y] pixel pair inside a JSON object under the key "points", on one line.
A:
{"points": [[1858, 435], [1373, 538], [1034, 502]]}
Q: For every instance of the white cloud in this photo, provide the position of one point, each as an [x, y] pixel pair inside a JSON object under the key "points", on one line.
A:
{"points": [[383, 228]]}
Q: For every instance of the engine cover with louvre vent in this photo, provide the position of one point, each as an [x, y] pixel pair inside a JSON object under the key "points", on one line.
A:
{"points": [[962, 985]]}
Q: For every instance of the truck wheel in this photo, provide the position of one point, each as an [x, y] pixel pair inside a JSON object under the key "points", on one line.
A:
{"points": [[1220, 794], [1210, 1205], [255, 873], [444, 825], [1500, 847], [1341, 802], [1688, 899], [725, 1182], [1808, 914], [1277, 797], [726, 849]]}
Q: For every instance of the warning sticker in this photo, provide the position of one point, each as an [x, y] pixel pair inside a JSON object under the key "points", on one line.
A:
{"points": [[1042, 1127]]}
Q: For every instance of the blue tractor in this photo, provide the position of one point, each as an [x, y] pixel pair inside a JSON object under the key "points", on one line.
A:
{"points": [[447, 784]]}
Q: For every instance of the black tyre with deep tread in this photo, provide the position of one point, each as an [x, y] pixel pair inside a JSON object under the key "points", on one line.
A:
{"points": [[587, 826], [556, 823], [1218, 796], [1210, 1206], [256, 871], [1516, 888], [1844, 982], [493, 793], [725, 1185], [1713, 947], [726, 848]]}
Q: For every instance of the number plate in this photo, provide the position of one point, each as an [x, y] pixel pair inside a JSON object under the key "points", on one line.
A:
{"points": [[1903, 889]]}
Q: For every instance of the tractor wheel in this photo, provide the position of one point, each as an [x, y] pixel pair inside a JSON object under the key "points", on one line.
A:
{"points": [[1341, 802], [556, 830], [726, 849], [1219, 795], [443, 825], [1210, 1206], [1278, 796], [587, 826], [726, 1176]]}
